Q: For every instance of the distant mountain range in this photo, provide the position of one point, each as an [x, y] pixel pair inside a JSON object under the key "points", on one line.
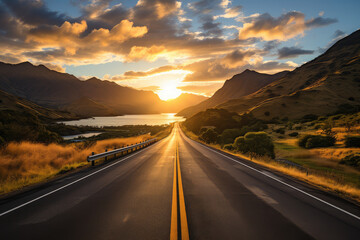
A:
{"points": [[239, 85], [329, 84], [93, 97]]}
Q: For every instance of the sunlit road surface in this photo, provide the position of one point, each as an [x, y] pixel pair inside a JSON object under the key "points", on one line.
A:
{"points": [[177, 189]]}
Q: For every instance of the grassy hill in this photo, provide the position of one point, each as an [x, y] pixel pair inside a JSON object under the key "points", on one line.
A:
{"points": [[326, 85], [22, 120]]}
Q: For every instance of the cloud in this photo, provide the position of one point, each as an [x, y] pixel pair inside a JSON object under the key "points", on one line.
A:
{"points": [[54, 67], [274, 66], [287, 26], [95, 8], [232, 12], [240, 58], [270, 45], [151, 88], [291, 52], [68, 37], [161, 69], [150, 54], [206, 89], [205, 6], [156, 9], [214, 70], [34, 12], [149, 31], [337, 35], [225, 3], [320, 22], [10, 58], [210, 28], [269, 28]]}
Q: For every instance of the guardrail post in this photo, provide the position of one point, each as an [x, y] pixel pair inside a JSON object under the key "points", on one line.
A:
{"points": [[92, 162], [105, 157]]}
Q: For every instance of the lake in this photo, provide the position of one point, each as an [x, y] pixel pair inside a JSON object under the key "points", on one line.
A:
{"points": [[148, 119]]}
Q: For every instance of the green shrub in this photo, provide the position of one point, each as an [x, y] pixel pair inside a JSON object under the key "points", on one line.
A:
{"points": [[280, 130], [229, 135], [314, 141], [203, 129], [352, 141], [294, 134], [210, 136], [258, 143], [351, 160], [229, 147], [258, 126]]}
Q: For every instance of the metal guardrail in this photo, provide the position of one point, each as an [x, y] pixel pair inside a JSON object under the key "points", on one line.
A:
{"points": [[126, 149]]}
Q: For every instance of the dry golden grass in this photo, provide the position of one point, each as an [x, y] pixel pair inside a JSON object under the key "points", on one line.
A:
{"points": [[328, 182], [324, 181], [25, 163]]}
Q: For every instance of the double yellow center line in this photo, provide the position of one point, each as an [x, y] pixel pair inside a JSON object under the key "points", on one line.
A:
{"points": [[178, 204]]}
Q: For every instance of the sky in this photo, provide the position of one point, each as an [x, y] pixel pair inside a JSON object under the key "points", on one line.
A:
{"points": [[170, 46]]}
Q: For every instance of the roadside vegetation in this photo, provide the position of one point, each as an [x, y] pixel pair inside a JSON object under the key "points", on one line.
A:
{"points": [[323, 151], [23, 163]]}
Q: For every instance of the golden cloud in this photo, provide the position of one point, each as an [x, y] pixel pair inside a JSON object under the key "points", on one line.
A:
{"points": [[68, 36], [150, 54], [264, 26]]}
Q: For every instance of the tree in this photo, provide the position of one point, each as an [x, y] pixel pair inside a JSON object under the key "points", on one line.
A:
{"points": [[255, 143], [210, 136], [229, 135]]}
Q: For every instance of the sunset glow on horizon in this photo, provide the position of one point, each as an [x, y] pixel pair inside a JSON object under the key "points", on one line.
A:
{"points": [[193, 45]]}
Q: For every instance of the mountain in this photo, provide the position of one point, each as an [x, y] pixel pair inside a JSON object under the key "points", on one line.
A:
{"points": [[61, 90], [239, 85], [10, 103], [326, 85], [93, 97], [22, 120], [183, 101], [86, 107]]}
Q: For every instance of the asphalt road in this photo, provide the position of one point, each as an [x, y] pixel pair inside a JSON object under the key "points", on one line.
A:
{"points": [[139, 196]]}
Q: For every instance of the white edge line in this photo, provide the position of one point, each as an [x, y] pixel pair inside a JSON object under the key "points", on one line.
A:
{"points": [[69, 184], [286, 184]]}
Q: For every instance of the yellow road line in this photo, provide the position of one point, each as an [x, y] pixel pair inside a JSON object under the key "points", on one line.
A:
{"points": [[183, 218], [178, 195], [174, 217]]}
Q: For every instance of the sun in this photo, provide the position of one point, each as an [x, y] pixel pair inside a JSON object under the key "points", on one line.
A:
{"points": [[169, 91]]}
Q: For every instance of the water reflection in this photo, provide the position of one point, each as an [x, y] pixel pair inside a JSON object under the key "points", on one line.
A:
{"points": [[148, 119]]}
